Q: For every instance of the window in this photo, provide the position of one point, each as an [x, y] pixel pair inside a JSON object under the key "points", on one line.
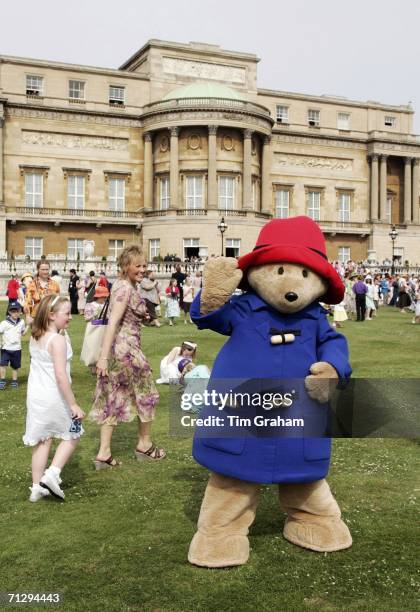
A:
{"points": [[75, 249], [344, 201], [191, 247], [344, 254], [34, 85], [314, 205], [164, 193], [76, 90], [116, 193], [282, 114], [34, 190], [154, 248], [115, 247], [313, 117], [76, 192], [388, 209], [343, 121], [255, 195], [194, 192], [390, 121], [116, 95], [34, 247], [226, 192], [282, 197], [233, 247]]}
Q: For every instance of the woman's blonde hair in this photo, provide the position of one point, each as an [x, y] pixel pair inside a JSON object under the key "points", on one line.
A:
{"points": [[127, 255], [48, 304]]}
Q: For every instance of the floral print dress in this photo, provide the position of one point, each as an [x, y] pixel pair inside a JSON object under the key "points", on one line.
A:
{"points": [[129, 390]]}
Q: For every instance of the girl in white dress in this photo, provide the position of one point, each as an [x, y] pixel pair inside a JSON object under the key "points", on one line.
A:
{"points": [[52, 411], [169, 364]]}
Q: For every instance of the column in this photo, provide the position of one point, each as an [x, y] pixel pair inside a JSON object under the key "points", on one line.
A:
{"points": [[266, 188], [174, 169], [212, 168], [374, 188], [416, 178], [2, 211], [407, 190], [148, 171], [247, 171], [382, 188]]}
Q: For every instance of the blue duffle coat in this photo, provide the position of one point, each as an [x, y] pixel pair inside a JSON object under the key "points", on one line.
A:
{"points": [[249, 354]]}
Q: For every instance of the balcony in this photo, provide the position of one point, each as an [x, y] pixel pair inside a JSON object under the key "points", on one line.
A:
{"points": [[345, 227], [70, 215]]}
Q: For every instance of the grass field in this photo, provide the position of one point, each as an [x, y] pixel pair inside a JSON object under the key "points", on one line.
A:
{"points": [[120, 540]]}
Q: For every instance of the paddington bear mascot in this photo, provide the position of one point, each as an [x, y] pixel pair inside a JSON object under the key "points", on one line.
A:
{"points": [[277, 329]]}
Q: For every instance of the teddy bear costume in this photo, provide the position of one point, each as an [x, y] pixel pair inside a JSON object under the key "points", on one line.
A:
{"points": [[297, 465]]}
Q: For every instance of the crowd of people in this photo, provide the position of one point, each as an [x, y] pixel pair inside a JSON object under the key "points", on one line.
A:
{"points": [[125, 387]]}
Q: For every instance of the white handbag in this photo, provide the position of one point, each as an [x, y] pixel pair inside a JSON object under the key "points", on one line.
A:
{"points": [[94, 335]]}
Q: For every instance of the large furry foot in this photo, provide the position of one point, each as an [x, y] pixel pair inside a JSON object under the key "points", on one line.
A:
{"points": [[218, 552], [322, 534], [313, 517]]}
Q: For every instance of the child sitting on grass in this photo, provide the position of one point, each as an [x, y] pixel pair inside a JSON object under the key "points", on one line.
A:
{"points": [[11, 330], [52, 411]]}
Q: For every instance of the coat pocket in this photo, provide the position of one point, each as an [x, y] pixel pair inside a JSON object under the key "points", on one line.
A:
{"points": [[316, 449], [232, 446]]}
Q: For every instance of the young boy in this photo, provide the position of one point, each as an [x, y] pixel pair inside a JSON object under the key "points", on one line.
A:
{"points": [[11, 330]]}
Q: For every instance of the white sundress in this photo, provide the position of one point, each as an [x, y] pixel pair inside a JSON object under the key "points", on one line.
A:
{"points": [[48, 414]]}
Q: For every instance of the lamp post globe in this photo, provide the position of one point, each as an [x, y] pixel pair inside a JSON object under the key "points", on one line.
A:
{"points": [[222, 227]]}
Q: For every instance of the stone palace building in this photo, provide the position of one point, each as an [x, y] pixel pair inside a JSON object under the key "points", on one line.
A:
{"points": [[159, 150]]}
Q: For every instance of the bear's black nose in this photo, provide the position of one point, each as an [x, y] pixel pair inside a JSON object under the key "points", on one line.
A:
{"points": [[291, 296]]}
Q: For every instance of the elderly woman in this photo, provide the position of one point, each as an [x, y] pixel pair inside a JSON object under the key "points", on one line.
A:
{"points": [[125, 388], [41, 286]]}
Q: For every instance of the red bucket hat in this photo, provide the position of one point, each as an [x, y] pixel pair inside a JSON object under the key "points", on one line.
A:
{"points": [[295, 240]]}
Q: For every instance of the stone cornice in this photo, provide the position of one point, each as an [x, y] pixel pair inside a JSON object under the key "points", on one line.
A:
{"points": [[336, 101], [46, 64], [69, 114]]}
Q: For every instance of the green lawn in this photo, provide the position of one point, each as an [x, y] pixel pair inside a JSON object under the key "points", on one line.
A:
{"points": [[120, 540]]}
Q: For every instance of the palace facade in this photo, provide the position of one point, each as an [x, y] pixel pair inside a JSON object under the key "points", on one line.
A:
{"points": [[159, 150]]}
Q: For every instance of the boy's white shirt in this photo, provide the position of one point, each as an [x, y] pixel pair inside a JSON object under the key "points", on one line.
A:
{"points": [[12, 335]]}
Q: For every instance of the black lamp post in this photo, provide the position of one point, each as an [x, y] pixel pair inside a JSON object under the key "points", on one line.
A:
{"points": [[222, 227], [393, 235]]}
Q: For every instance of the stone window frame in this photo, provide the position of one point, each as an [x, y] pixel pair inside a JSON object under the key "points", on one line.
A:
{"points": [[116, 101], [153, 248], [338, 253], [81, 172], [26, 169], [123, 175], [390, 121], [114, 252], [281, 186], [164, 178], [235, 176], [318, 189], [279, 117], [312, 122], [342, 127], [256, 192], [33, 92], [187, 174], [34, 257], [339, 191], [78, 99], [76, 239]]}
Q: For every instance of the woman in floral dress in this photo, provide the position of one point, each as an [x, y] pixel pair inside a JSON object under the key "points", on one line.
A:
{"points": [[125, 387]]}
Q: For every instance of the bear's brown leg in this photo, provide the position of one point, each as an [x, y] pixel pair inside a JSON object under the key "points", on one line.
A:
{"points": [[227, 511], [313, 517]]}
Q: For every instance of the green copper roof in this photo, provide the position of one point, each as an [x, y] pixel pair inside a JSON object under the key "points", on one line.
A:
{"points": [[204, 90]]}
